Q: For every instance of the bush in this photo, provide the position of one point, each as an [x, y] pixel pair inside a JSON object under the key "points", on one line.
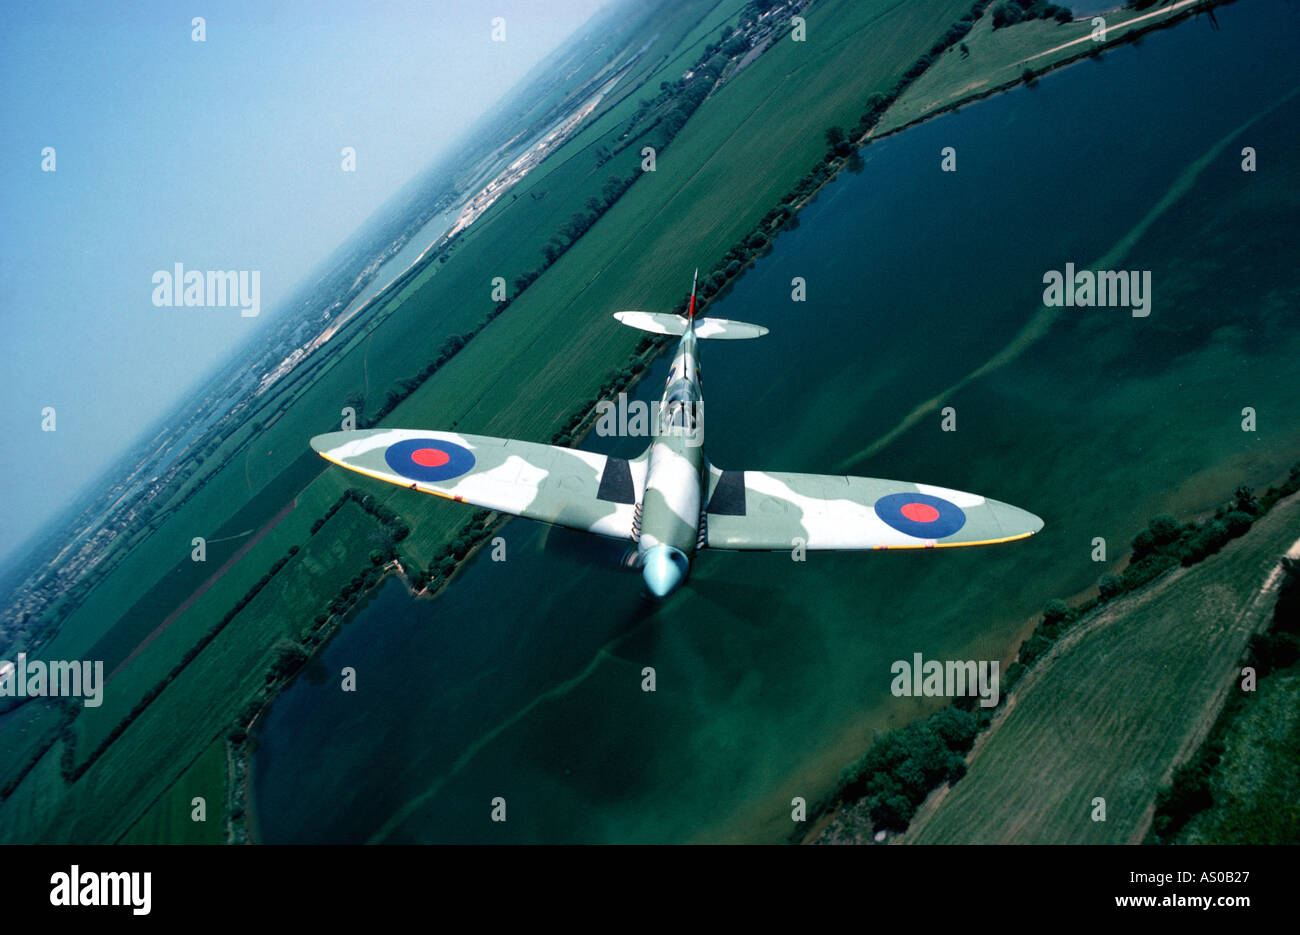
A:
{"points": [[1032, 648], [1238, 523], [289, 657], [1206, 541], [1272, 651], [1146, 569], [1007, 14], [1056, 612], [1143, 544], [1188, 794], [1110, 586], [956, 728], [1015, 672], [1165, 529]]}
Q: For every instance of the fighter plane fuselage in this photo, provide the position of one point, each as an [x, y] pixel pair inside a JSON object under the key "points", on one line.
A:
{"points": [[675, 476]]}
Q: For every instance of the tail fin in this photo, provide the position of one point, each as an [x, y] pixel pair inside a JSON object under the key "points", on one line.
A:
{"points": [[690, 314]]}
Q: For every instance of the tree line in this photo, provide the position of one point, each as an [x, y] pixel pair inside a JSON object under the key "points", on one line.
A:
{"points": [[1011, 12]]}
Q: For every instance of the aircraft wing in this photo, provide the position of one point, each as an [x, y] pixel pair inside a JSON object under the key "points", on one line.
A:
{"points": [[565, 486], [762, 511]]}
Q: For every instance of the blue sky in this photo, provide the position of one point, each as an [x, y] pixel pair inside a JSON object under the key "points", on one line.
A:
{"points": [[223, 154]]}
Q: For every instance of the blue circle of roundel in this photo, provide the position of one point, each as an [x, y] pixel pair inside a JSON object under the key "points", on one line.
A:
{"points": [[895, 507], [405, 458]]}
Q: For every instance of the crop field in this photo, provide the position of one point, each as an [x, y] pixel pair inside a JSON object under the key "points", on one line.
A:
{"points": [[25, 729], [165, 564], [170, 820], [195, 708], [306, 583]]}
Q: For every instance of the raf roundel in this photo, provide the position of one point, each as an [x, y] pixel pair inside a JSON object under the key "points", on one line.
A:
{"points": [[429, 459], [921, 515]]}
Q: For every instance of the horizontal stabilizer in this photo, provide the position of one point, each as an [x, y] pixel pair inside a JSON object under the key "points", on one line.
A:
{"points": [[668, 323]]}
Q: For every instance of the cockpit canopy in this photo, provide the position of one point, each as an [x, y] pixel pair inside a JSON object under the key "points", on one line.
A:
{"points": [[682, 410]]}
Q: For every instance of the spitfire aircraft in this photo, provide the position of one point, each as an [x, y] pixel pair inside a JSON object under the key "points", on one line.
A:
{"points": [[670, 501]]}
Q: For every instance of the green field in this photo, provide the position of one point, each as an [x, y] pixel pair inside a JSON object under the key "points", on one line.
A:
{"points": [[341, 546], [170, 820], [1127, 694], [25, 730], [1256, 787]]}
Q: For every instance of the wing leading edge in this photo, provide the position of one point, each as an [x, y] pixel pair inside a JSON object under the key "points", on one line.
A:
{"points": [[769, 511], [565, 486]]}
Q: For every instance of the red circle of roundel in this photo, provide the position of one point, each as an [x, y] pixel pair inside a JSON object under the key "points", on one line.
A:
{"points": [[429, 459], [919, 512], [921, 515]]}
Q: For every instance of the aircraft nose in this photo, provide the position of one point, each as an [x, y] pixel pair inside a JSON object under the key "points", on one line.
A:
{"points": [[664, 568]]}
